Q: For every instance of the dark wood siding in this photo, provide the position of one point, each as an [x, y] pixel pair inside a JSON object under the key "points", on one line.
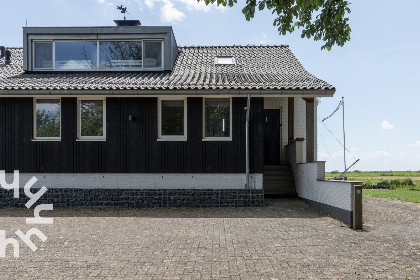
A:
{"points": [[131, 147]]}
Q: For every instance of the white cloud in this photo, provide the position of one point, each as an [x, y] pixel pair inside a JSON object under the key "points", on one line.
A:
{"points": [[417, 144], [169, 13], [149, 4], [387, 125], [194, 5], [169, 9], [105, 2]]}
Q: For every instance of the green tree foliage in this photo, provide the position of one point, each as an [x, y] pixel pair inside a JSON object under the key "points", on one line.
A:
{"points": [[47, 123], [92, 118], [324, 20], [173, 121], [214, 119]]}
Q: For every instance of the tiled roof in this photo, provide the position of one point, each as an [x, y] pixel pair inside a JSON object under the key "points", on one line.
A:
{"points": [[257, 68]]}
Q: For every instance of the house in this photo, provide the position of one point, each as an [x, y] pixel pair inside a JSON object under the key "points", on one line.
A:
{"points": [[122, 115]]}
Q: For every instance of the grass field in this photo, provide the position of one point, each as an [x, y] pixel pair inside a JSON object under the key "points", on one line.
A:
{"points": [[401, 185]]}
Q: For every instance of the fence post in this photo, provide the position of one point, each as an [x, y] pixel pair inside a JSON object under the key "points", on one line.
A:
{"points": [[357, 207]]}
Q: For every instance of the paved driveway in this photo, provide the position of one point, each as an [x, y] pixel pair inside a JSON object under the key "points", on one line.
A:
{"points": [[284, 240]]}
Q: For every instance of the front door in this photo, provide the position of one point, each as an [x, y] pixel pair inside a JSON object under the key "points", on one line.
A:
{"points": [[272, 137]]}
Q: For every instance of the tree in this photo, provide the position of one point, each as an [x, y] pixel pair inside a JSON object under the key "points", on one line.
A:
{"points": [[324, 20]]}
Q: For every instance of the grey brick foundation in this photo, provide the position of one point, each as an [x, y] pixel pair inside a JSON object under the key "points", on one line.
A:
{"points": [[140, 198]]}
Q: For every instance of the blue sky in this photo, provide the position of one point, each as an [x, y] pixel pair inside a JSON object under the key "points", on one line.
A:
{"points": [[377, 71]]}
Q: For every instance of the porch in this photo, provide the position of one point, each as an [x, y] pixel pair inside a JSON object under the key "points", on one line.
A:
{"points": [[290, 161]]}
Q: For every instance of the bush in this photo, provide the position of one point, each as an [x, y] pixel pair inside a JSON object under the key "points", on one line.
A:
{"points": [[368, 185], [389, 184], [335, 172]]}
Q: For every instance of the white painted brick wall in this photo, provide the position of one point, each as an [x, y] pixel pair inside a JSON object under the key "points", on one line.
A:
{"points": [[300, 122], [140, 181], [334, 193]]}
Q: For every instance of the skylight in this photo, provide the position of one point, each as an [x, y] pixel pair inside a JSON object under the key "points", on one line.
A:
{"points": [[224, 60]]}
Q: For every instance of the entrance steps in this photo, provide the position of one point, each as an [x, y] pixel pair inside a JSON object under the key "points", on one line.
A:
{"points": [[278, 181]]}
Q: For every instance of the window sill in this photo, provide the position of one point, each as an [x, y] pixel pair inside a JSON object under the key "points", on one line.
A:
{"points": [[172, 139], [90, 140], [46, 140], [218, 139]]}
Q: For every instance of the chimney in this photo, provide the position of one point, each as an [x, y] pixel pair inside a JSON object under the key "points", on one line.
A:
{"points": [[130, 22], [2, 49], [8, 54]]}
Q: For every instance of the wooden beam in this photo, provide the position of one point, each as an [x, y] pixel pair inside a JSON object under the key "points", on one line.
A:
{"points": [[310, 130], [291, 119]]}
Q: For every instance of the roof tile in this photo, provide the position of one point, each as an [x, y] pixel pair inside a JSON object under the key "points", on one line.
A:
{"points": [[257, 68]]}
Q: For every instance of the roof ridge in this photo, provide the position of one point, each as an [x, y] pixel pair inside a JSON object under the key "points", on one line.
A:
{"points": [[8, 48], [234, 46]]}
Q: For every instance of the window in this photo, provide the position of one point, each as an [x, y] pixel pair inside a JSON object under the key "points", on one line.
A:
{"points": [[77, 55], [172, 119], [120, 55], [152, 54], [43, 55], [217, 118], [47, 119], [91, 119], [98, 55], [224, 60]]}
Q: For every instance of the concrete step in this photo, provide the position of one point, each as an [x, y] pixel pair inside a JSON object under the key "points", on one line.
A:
{"points": [[277, 168], [277, 179], [279, 185], [278, 172]]}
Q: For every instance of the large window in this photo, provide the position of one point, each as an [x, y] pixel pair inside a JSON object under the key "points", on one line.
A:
{"points": [[120, 55], [80, 55], [98, 55], [172, 119], [43, 55], [152, 54], [91, 119], [217, 118], [47, 119]]}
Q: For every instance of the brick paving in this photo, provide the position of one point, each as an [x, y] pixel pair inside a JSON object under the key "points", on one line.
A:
{"points": [[284, 240]]}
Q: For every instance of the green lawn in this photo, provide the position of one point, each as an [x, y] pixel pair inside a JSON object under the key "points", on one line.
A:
{"points": [[401, 194], [396, 190]]}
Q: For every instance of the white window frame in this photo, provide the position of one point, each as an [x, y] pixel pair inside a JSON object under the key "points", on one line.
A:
{"points": [[171, 137], [218, 60], [97, 55], [225, 138], [79, 120], [163, 57], [53, 55], [35, 138]]}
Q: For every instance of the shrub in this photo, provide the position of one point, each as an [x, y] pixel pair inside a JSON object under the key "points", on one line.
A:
{"points": [[389, 184]]}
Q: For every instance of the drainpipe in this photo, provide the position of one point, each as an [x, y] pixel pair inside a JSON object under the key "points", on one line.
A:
{"points": [[248, 106]]}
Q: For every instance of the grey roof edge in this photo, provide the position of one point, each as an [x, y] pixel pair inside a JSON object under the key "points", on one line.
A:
{"points": [[236, 46], [198, 92]]}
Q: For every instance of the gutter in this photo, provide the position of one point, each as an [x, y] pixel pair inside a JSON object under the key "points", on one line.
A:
{"points": [[151, 92]]}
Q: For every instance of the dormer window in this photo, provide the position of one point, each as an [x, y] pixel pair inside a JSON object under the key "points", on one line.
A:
{"points": [[67, 55], [43, 55], [76, 55], [120, 54]]}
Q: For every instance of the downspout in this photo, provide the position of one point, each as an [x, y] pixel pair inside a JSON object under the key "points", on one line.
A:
{"points": [[248, 106]]}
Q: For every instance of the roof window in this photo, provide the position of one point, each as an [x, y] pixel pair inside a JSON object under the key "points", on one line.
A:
{"points": [[224, 60]]}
